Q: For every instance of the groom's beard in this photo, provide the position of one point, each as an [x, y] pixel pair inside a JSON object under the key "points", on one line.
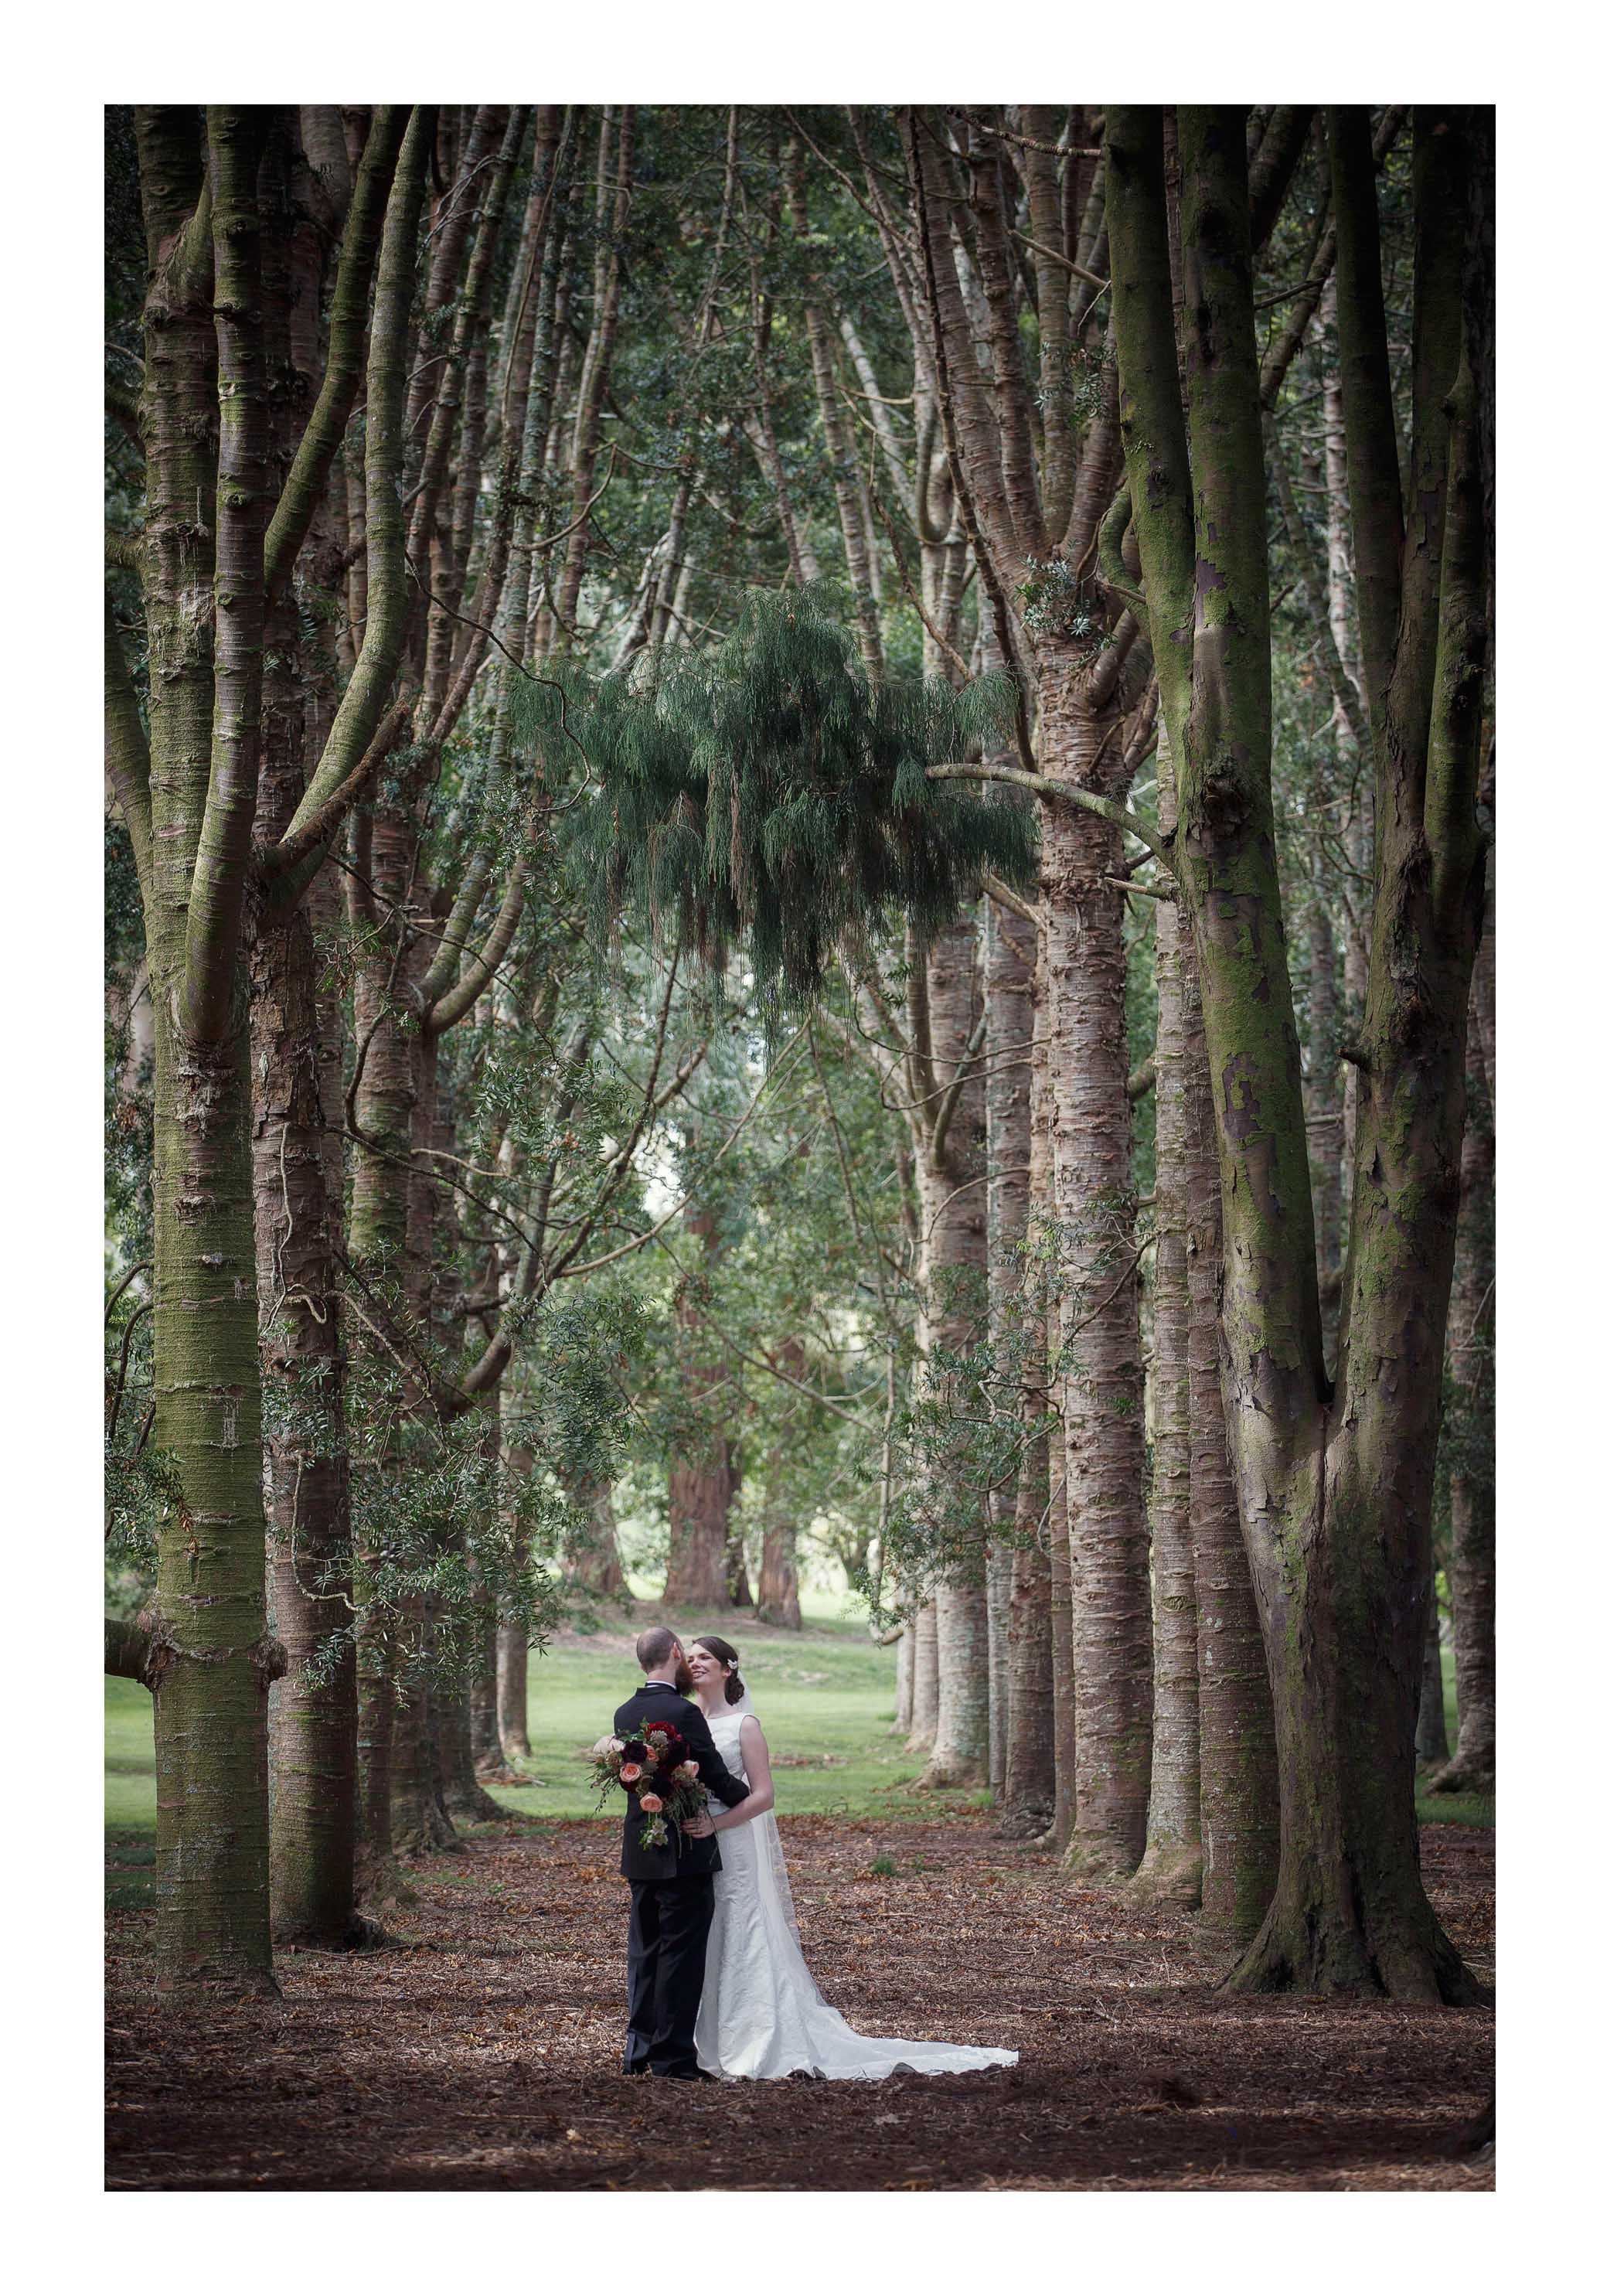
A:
{"points": [[685, 1681]]}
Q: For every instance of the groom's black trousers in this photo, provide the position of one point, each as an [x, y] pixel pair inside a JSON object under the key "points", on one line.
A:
{"points": [[667, 1934]]}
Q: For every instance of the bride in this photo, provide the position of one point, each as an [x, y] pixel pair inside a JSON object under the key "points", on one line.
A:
{"points": [[761, 2016]]}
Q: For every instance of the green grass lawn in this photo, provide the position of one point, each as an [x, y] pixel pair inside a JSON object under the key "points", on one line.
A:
{"points": [[825, 1697]]}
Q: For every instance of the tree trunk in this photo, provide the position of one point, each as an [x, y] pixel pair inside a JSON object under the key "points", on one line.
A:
{"points": [[1432, 1745], [1027, 1796], [778, 1600], [511, 1635], [959, 1755], [1058, 1532], [462, 1796], [1041, 1621], [1334, 1475], [1324, 1091], [1171, 1865], [596, 1564], [924, 1703], [1341, 622], [612, 196], [836, 433], [398, 1807], [295, 1057], [1238, 1760], [418, 1818], [211, 1658], [511, 1691], [700, 1495], [1101, 1378], [1000, 1570], [905, 1677], [704, 1478], [735, 1569], [1026, 1799], [313, 1717], [488, 1755], [951, 1188], [1008, 962], [1470, 1417]]}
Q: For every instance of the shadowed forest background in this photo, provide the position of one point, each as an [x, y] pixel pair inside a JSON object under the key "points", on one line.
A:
{"points": [[799, 938]]}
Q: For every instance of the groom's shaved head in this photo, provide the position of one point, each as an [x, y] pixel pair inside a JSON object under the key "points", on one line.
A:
{"points": [[654, 1647]]}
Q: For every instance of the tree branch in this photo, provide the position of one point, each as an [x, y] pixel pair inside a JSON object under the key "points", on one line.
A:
{"points": [[216, 909], [1067, 792], [362, 705], [127, 1648], [346, 331], [1000, 891]]}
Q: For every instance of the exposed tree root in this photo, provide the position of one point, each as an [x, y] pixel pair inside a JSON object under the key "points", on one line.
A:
{"points": [[1169, 1875]]}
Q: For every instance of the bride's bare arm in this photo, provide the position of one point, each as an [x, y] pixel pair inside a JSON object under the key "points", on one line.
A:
{"points": [[758, 1764]]}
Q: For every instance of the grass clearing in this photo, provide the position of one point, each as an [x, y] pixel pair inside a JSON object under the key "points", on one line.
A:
{"points": [[826, 1697]]}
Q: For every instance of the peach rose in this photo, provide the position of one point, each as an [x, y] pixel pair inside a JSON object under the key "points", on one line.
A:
{"points": [[630, 1773], [652, 1803]]}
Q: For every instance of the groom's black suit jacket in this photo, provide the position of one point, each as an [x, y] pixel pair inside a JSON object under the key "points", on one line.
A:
{"points": [[682, 1856]]}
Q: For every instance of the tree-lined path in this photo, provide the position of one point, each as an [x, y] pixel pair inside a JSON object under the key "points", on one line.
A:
{"points": [[800, 892], [487, 2055]]}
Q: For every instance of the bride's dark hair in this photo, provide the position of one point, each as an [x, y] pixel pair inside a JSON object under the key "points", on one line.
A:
{"points": [[725, 1655]]}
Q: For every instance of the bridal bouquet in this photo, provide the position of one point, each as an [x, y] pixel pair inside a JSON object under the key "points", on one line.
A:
{"points": [[655, 1766]]}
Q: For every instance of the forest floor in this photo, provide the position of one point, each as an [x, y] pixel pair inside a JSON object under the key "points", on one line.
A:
{"points": [[484, 2051]]}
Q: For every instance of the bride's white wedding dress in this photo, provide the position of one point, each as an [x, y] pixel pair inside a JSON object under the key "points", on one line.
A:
{"points": [[760, 2014]]}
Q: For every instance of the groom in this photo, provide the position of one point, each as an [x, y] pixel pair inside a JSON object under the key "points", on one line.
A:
{"points": [[672, 1886]]}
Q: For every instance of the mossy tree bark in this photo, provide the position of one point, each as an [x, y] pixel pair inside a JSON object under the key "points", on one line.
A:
{"points": [[189, 803], [1334, 1473]]}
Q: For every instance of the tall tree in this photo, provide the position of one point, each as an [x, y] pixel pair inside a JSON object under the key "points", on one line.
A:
{"points": [[1334, 1471], [1171, 1865], [188, 799], [1051, 636]]}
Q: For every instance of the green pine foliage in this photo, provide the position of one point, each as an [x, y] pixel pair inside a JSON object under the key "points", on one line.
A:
{"points": [[769, 796]]}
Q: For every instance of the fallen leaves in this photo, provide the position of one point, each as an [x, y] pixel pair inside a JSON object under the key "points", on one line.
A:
{"points": [[486, 2055]]}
